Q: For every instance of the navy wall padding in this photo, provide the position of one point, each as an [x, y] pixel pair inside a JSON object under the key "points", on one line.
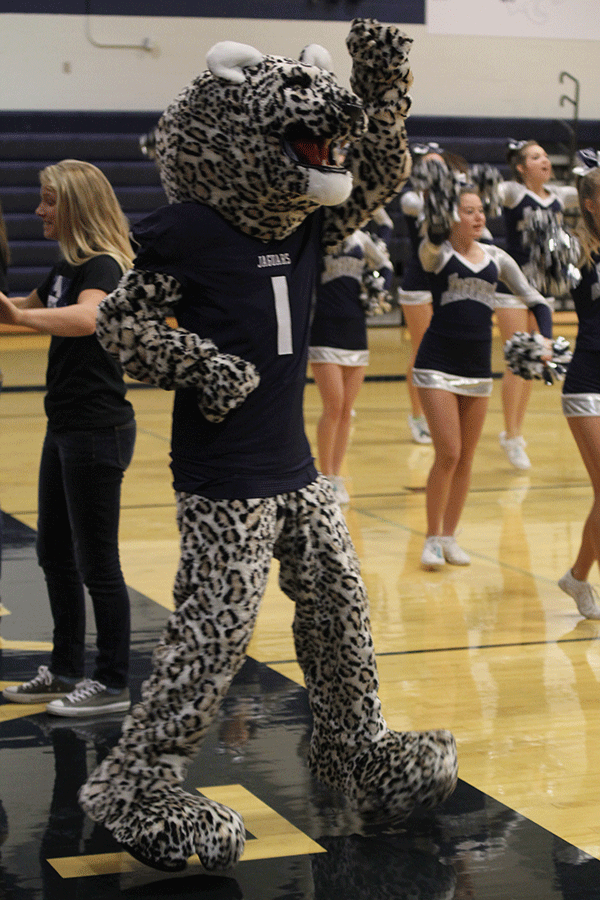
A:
{"points": [[110, 140], [25, 122], [402, 11], [468, 127]]}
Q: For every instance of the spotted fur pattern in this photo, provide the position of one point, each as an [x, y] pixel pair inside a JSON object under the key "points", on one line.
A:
{"points": [[379, 161], [131, 324], [222, 144], [160, 824], [390, 777], [226, 553]]}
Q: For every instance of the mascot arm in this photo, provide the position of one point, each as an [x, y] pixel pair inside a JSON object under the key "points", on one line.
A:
{"points": [[132, 326], [380, 160], [376, 253]]}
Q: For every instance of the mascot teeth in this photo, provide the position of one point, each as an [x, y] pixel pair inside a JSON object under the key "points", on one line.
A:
{"points": [[328, 186], [315, 152]]}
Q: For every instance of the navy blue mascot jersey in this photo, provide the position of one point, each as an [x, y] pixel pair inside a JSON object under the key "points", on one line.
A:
{"points": [[253, 299]]}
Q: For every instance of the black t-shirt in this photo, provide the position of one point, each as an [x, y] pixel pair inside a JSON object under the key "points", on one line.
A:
{"points": [[3, 276], [85, 387]]}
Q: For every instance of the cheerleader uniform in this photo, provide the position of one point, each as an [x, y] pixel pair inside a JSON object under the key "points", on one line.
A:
{"points": [[581, 387], [519, 203], [581, 397], [339, 328], [456, 350], [415, 281]]}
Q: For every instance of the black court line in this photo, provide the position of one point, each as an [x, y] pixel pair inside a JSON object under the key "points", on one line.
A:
{"points": [[136, 385]]}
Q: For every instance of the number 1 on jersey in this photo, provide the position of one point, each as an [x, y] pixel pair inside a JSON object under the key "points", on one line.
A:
{"points": [[284, 316]]}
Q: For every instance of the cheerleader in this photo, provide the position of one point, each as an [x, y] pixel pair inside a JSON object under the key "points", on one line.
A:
{"points": [[581, 389], [452, 370], [527, 192], [415, 295], [338, 351]]}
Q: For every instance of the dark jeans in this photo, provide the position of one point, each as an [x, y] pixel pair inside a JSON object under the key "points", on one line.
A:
{"points": [[79, 497]]}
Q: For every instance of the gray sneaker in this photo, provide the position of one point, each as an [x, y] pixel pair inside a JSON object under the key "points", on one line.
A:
{"points": [[90, 698], [45, 686]]}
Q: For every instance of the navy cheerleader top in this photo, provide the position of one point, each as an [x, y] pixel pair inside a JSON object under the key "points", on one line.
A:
{"points": [[413, 278], [586, 297], [464, 292]]}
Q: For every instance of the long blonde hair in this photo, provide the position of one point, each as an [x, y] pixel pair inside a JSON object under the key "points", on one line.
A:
{"points": [[89, 219], [588, 187]]}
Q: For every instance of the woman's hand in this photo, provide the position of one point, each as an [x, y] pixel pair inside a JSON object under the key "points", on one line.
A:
{"points": [[9, 313], [548, 351]]}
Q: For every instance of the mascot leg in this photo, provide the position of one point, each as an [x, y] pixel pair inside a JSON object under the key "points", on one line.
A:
{"points": [[226, 553], [382, 772]]}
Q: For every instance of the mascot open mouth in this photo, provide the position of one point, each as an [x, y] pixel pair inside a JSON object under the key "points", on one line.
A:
{"points": [[307, 149]]}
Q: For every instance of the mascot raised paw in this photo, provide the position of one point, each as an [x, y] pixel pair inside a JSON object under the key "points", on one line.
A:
{"points": [[258, 188]]}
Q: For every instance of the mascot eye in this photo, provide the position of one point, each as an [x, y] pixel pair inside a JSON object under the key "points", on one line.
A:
{"points": [[301, 80]]}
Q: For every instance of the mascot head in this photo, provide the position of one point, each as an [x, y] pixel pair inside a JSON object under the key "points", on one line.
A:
{"points": [[259, 139]]}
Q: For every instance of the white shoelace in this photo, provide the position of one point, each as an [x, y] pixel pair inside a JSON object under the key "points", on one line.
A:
{"points": [[44, 676], [85, 690]]}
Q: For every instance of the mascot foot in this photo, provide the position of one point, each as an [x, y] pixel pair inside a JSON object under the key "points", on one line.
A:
{"points": [[391, 776], [161, 825]]}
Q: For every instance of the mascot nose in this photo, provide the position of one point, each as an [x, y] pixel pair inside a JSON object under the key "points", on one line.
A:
{"points": [[353, 110]]}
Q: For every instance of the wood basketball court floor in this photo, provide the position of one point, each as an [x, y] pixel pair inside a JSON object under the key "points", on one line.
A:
{"points": [[495, 652]]}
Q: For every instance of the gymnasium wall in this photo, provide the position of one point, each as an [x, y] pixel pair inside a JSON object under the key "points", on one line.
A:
{"points": [[51, 58]]}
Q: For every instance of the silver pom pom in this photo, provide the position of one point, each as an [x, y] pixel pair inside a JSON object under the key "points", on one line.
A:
{"points": [[523, 354], [553, 253], [441, 194], [374, 297], [487, 179]]}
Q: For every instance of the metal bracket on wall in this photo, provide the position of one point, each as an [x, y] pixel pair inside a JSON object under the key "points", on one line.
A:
{"points": [[147, 44]]}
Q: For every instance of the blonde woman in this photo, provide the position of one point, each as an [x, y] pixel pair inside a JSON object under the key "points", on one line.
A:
{"points": [[88, 445], [581, 389], [4, 254]]}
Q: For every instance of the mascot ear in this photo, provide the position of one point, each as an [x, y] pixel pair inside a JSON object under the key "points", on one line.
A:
{"points": [[227, 60], [315, 55]]}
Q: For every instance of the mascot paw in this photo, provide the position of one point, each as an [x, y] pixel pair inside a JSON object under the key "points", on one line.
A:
{"points": [[168, 826], [380, 59], [404, 770], [161, 825], [229, 380], [389, 777]]}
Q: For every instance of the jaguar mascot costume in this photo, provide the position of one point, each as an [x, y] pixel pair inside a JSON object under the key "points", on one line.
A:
{"points": [[266, 163]]}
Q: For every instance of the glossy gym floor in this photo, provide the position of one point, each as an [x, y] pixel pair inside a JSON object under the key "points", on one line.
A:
{"points": [[495, 652]]}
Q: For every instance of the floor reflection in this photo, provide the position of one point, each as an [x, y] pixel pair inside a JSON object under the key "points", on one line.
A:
{"points": [[472, 847]]}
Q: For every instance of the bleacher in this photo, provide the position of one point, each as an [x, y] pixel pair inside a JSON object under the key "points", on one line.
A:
{"points": [[32, 140], [484, 141]]}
